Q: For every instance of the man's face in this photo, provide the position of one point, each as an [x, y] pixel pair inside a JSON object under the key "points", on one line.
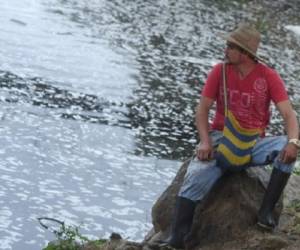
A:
{"points": [[233, 53]]}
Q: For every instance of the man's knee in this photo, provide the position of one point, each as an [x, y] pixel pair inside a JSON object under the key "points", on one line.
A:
{"points": [[196, 168], [198, 182], [281, 141]]}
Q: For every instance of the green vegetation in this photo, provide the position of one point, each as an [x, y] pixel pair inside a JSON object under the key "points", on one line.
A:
{"points": [[261, 23], [296, 171], [293, 209], [297, 167], [69, 238]]}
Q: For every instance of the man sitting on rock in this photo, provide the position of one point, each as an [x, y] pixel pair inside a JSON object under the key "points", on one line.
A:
{"points": [[243, 89]]}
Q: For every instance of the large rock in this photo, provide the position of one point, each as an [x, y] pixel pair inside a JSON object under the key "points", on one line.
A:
{"points": [[226, 219], [225, 215]]}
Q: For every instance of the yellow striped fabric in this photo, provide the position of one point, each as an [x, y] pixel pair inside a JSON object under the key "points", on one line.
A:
{"points": [[236, 145]]}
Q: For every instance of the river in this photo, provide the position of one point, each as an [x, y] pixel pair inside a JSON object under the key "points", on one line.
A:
{"points": [[97, 103]]}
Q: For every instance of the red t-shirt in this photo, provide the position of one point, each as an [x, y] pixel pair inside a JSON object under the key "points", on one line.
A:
{"points": [[248, 99]]}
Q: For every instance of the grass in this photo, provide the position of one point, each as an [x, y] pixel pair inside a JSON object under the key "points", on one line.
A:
{"points": [[293, 209], [69, 238]]}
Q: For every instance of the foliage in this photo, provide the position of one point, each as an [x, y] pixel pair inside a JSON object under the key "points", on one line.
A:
{"points": [[69, 238], [296, 171], [293, 209], [261, 23], [295, 205]]}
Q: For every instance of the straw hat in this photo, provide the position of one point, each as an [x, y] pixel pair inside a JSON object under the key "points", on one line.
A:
{"points": [[246, 37]]}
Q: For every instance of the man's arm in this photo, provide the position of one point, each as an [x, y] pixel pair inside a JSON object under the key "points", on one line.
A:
{"points": [[290, 151], [205, 148]]}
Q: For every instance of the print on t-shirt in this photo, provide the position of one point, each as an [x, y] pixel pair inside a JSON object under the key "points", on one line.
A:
{"points": [[249, 98], [248, 104]]}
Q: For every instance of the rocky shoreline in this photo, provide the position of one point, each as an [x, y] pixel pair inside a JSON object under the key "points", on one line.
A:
{"points": [[226, 219]]}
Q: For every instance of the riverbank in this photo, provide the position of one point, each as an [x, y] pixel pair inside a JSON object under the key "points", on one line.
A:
{"points": [[250, 237]]}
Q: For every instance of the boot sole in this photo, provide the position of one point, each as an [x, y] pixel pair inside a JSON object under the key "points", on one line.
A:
{"points": [[265, 227], [161, 246]]}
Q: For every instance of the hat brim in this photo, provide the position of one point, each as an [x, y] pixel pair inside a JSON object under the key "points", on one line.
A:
{"points": [[232, 40]]}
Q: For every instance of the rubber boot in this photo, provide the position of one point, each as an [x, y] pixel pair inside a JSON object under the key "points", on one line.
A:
{"points": [[182, 222], [278, 181]]}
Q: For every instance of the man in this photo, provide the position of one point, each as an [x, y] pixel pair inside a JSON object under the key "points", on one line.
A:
{"points": [[251, 86]]}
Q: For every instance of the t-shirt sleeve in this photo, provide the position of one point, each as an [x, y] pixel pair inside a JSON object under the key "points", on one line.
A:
{"points": [[277, 88], [212, 82]]}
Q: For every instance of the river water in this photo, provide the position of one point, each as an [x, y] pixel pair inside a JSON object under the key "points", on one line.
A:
{"points": [[97, 102]]}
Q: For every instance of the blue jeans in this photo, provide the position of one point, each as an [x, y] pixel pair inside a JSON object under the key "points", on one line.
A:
{"points": [[202, 175]]}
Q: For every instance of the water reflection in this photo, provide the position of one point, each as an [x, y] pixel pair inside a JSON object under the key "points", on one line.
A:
{"points": [[174, 44], [72, 170]]}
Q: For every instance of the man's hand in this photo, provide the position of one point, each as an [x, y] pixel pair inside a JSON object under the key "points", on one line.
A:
{"points": [[289, 154], [205, 151]]}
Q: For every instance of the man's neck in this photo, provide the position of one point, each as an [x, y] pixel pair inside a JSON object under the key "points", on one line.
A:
{"points": [[245, 68]]}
